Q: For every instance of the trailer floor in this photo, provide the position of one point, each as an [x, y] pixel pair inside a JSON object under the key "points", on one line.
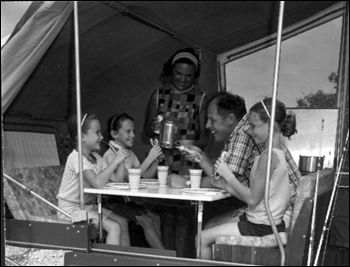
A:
{"points": [[335, 256]]}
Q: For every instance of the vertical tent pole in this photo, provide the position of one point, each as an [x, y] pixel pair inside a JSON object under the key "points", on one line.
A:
{"points": [[77, 80], [273, 109], [2, 196]]}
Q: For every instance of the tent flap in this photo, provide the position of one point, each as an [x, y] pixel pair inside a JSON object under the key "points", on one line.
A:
{"points": [[23, 52]]}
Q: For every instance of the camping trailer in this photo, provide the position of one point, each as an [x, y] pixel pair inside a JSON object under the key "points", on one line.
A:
{"points": [[122, 46]]}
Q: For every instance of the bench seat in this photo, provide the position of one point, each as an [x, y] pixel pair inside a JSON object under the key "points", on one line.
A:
{"points": [[44, 181], [264, 250]]}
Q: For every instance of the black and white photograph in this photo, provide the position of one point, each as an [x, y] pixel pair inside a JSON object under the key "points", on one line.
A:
{"points": [[194, 133]]}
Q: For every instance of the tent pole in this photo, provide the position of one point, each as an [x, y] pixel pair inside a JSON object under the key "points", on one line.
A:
{"points": [[2, 195], [30, 191], [313, 218], [331, 204], [77, 80], [272, 122]]}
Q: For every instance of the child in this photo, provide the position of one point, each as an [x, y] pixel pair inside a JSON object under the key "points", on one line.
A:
{"points": [[121, 129], [255, 222], [95, 173]]}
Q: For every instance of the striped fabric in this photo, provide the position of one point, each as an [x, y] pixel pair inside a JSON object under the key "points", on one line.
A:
{"points": [[29, 149]]}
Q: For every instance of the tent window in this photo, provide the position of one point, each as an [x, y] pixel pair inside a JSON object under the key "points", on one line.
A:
{"points": [[308, 70], [314, 67]]}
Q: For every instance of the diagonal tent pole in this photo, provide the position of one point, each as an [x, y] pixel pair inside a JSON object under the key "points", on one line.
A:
{"points": [[137, 17], [10, 261], [313, 218], [30, 191]]}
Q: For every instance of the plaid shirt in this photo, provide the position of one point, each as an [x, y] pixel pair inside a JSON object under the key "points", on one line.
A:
{"points": [[243, 150]]}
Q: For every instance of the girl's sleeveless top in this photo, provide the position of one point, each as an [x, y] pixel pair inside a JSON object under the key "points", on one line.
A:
{"points": [[279, 193]]}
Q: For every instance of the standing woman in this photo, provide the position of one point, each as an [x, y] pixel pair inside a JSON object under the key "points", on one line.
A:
{"points": [[179, 98]]}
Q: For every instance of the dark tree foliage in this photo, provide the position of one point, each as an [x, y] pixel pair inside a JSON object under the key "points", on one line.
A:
{"points": [[320, 99]]}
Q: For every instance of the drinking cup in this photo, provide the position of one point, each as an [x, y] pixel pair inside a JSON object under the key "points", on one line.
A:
{"points": [[162, 190], [195, 177], [134, 179], [162, 175]]}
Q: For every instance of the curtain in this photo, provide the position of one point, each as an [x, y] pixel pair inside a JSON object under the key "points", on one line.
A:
{"points": [[25, 149]]}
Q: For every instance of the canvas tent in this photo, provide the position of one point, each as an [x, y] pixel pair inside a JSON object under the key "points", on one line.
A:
{"points": [[123, 45]]}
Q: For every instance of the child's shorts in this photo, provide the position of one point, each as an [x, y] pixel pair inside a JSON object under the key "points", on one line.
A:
{"points": [[247, 228], [128, 210]]}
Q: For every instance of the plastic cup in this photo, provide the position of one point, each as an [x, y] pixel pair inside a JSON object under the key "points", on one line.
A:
{"points": [[162, 175], [195, 177], [134, 179], [162, 190]]}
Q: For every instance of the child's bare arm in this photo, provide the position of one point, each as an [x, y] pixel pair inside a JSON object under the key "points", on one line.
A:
{"points": [[100, 179]]}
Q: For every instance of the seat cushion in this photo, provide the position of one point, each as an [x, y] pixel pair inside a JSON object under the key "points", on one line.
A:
{"points": [[44, 181], [255, 241]]}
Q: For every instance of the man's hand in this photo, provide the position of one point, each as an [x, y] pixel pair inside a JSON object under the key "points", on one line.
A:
{"points": [[192, 157]]}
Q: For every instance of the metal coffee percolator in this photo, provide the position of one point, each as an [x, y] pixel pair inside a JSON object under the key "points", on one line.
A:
{"points": [[168, 133]]}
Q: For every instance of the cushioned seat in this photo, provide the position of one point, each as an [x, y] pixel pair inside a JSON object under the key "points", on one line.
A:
{"points": [[263, 250], [44, 181], [257, 241]]}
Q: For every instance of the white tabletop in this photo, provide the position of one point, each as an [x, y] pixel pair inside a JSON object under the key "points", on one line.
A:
{"points": [[159, 192]]}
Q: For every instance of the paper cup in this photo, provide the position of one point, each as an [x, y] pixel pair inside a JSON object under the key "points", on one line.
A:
{"points": [[162, 175], [195, 177], [162, 190], [134, 179]]}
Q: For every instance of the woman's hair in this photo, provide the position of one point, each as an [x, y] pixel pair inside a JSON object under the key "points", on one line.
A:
{"points": [[169, 65], [115, 122], [286, 122], [229, 103], [72, 126]]}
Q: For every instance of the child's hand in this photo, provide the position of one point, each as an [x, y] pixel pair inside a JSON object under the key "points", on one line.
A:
{"points": [[222, 168], [155, 152], [121, 155], [219, 183]]}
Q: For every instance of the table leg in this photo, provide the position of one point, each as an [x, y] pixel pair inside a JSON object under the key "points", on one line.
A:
{"points": [[199, 228], [99, 202]]}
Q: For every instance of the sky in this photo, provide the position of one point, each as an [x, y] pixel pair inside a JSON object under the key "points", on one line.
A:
{"points": [[306, 62]]}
